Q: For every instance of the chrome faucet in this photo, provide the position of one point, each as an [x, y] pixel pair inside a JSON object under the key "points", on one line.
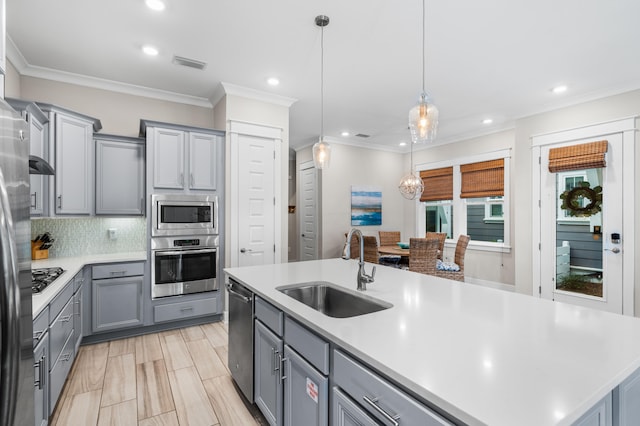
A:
{"points": [[362, 277]]}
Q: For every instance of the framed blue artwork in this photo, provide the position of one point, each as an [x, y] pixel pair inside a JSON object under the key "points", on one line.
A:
{"points": [[366, 206]]}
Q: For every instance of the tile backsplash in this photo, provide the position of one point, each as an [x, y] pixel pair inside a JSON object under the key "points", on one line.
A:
{"points": [[82, 236]]}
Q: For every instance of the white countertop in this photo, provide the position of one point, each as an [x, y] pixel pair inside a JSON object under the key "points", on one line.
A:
{"points": [[71, 266], [486, 356]]}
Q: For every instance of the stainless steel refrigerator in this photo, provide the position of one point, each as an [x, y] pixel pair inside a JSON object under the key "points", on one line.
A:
{"points": [[16, 322]]}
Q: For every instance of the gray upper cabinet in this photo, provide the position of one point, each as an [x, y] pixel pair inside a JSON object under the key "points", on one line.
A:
{"points": [[182, 158], [38, 146], [73, 165], [119, 175], [71, 139]]}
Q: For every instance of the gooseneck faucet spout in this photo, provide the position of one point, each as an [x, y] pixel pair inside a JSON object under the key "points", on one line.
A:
{"points": [[362, 277]]}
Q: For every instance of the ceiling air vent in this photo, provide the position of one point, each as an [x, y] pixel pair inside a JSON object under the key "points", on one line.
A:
{"points": [[362, 135], [191, 63]]}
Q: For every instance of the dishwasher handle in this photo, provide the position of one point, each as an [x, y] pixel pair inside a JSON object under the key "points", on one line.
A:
{"points": [[232, 292]]}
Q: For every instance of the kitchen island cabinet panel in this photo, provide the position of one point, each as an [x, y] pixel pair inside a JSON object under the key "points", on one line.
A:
{"points": [[306, 392], [345, 412], [268, 387], [119, 175]]}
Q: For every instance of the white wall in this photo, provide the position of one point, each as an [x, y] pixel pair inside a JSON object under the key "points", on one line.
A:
{"points": [[119, 113], [357, 166], [606, 109], [238, 108]]}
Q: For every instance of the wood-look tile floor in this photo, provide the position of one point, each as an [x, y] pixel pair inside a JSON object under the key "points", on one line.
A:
{"points": [[172, 378]]}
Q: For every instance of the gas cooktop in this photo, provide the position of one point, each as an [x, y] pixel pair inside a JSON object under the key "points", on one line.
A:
{"points": [[40, 278]]}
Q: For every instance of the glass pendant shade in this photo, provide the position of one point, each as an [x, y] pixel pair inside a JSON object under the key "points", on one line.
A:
{"points": [[321, 154], [411, 186], [423, 120]]}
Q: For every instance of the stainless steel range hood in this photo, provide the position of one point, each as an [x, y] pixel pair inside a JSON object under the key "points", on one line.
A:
{"points": [[38, 166]]}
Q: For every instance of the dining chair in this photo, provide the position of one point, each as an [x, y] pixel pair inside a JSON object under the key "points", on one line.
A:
{"points": [[441, 237], [455, 270], [389, 238], [423, 255], [371, 254]]}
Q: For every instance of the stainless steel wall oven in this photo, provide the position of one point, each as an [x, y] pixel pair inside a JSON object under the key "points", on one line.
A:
{"points": [[183, 214], [183, 265]]}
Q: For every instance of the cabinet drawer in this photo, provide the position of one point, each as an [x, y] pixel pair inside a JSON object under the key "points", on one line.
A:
{"points": [[116, 270], [59, 373], [306, 343], [270, 316], [183, 310], [376, 395], [60, 300], [60, 330], [40, 326]]}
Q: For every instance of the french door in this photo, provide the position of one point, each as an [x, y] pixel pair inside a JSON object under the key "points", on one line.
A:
{"points": [[585, 223]]}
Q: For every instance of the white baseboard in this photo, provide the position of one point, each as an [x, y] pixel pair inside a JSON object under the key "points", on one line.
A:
{"points": [[491, 284], [225, 317]]}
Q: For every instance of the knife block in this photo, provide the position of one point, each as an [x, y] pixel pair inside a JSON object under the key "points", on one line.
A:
{"points": [[37, 253]]}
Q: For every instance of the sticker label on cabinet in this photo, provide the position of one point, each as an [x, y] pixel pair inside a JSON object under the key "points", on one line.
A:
{"points": [[312, 390]]}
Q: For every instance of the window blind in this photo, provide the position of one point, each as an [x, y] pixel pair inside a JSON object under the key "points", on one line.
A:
{"points": [[483, 179], [438, 184], [577, 157]]}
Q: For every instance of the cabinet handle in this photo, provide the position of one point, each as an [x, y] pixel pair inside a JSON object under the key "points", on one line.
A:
{"points": [[41, 373], [65, 318], [35, 200], [389, 417], [120, 273], [274, 357], [282, 364], [59, 201], [187, 308], [66, 357], [37, 335]]}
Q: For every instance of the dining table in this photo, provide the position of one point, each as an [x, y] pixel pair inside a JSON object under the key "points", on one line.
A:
{"points": [[394, 250]]}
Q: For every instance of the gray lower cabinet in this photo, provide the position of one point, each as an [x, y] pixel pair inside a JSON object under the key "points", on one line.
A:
{"points": [[599, 415], [78, 284], [41, 378], [268, 387], [626, 410], [119, 175], [306, 392], [377, 397], [346, 412], [117, 296]]}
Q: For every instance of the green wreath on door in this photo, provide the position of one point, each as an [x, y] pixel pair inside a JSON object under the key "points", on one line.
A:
{"points": [[571, 200]]}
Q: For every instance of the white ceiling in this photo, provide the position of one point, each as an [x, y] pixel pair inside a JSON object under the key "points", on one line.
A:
{"points": [[491, 58]]}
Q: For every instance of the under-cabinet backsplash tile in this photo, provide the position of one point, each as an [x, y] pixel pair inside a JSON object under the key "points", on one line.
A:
{"points": [[82, 236]]}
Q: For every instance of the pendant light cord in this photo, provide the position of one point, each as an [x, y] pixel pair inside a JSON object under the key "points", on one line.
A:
{"points": [[322, 83], [424, 18]]}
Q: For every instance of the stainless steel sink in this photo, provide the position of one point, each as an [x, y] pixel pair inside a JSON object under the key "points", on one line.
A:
{"points": [[333, 300]]}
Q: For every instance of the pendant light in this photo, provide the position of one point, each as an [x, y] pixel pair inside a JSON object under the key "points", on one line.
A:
{"points": [[423, 118], [321, 149], [411, 186]]}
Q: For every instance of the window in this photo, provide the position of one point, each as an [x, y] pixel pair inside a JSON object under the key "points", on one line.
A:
{"points": [[477, 204], [565, 182]]}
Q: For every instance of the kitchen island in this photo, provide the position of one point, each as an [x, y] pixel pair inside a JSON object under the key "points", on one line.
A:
{"points": [[479, 355]]}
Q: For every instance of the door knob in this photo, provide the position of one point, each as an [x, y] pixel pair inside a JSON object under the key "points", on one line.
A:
{"points": [[614, 250], [244, 250]]}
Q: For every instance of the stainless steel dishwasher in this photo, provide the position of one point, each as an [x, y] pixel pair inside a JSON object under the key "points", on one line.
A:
{"points": [[241, 337]]}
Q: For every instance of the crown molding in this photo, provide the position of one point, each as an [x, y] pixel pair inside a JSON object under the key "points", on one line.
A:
{"points": [[245, 92], [25, 69]]}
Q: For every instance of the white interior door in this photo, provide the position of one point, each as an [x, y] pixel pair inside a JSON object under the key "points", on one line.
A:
{"points": [[587, 259], [308, 212], [256, 200]]}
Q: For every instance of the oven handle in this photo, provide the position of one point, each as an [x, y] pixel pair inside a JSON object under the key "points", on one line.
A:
{"points": [[159, 253]]}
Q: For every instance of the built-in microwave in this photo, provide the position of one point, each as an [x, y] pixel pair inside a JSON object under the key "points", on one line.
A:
{"points": [[184, 214]]}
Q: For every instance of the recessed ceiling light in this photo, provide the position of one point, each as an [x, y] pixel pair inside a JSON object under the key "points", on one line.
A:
{"points": [[487, 121], [273, 81], [559, 89], [155, 4], [402, 144], [150, 50], [345, 133]]}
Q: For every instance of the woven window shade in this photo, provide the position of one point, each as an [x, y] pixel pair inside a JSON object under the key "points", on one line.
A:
{"points": [[438, 184], [578, 157], [484, 179]]}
